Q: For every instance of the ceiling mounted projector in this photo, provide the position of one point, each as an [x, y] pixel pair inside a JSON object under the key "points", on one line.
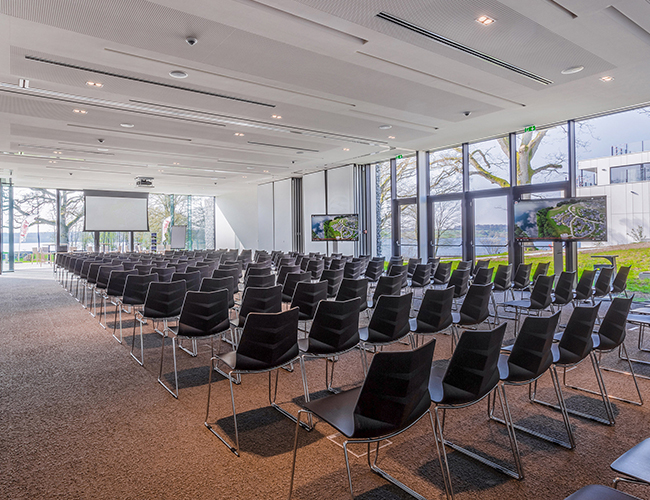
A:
{"points": [[144, 182]]}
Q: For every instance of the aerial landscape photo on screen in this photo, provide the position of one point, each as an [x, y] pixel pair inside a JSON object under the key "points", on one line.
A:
{"points": [[565, 218], [334, 227]]}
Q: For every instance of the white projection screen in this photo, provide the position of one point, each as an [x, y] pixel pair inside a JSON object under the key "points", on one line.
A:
{"points": [[115, 211]]}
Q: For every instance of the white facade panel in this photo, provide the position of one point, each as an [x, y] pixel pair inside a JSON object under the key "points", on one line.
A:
{"points": [[283, 231], [265, 216], [313, 195]]}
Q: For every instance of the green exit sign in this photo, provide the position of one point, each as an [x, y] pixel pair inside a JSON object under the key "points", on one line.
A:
{"points": [[531, 128], [399, 157]]}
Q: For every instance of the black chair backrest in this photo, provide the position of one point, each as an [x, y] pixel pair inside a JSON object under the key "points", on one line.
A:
{"points": [[260, 300], [105, 273], [164, 300], [531, 354], [395, 392], [503, 277], [284, 270], [85, 267], [390, 321], [334, 279], [411, 266], [205, 272], [222, 273], [306, 297], [443, 272], [257, 271], [614, 322], [603, 283], [135, 288], [460, 281], [304, 262], [564, 288], [396, 260], [399, 270], [316, 267], [387, 285], [78, 264], [351, 289], [335, 327], [584, 288], [541, 270], [475, 308], [473, 372], [286, 261], [435, 311], [620, 280], [225, 283], [181, 267], [337, 264], [192, 280], [374, 269], [480, 264], [522, 276], [540, 295], [576, 342], [465, 264], [483, 275], [290, 283], [164, 273], [232, 266], [421, 276], [353, 269], [93, 270], [263, 281], [129, 264], [204, 313], [269, 340], [117, 282]]}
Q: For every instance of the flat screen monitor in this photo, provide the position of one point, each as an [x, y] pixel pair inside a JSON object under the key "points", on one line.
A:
{"points": [[115, 211], [344, 227], [574, 219]]}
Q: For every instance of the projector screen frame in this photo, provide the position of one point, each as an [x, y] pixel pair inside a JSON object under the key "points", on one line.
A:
{"points": [[115, 194]]}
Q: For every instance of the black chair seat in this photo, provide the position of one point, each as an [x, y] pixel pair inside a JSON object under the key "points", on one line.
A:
{"points": [[241, 362], [314, 346], [338, 411], [516, 373], [524, 304], [599, 492], [635, 463]]}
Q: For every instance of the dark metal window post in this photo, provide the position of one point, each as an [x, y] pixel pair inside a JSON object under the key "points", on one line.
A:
{"points": [[394, 212]]}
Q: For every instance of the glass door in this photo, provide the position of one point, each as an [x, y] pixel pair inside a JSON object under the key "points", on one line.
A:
{"points": [[446, 236], [407, 236]]}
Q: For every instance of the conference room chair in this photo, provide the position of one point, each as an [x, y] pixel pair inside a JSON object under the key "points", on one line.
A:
{"points": [[599, 492], [353, 269], [337, 264], [257, 271], [502, 283], [540, 299], [114, 292], [483, 276], [162, 304], [521, 280], [205, 272], [603, 285], [374, 270], [133, 296], [203, 315], [290, 283], [540, 270], [610, 337], [316, 267], [351, 289], [471, 375], [222, 272], [465, 264], [286, 261], [233, 265], [258, 300], [334, 280], [181, 267], [306, 297], [460, 281], [523, 363], [387, 285], [480, 264], [619, 285], [435, 314], [399, 270], [584, 289], [633, 465], [91, 281], [474, 310], [268, 342], [164, 273], [304, 262], [576, 343], [563, 291], [192, 280], [389, 324], [396, 260], [394, 397], [442, 274], [333, 332], [284, 270], [410, 266], [420, 278], [103, 274], [261, 281]]}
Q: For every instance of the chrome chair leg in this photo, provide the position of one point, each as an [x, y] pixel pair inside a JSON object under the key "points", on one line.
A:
{"points": [[622, 347], [162, 355]]}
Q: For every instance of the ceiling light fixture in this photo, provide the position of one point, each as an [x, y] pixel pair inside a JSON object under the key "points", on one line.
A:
{"points": [[127, 125], [239, 134], [385, 127], [95, 84], [102, 149], [485, 20], [277, 117], [346, 149], [266, 171], [606, 78], [177, 73], [572, 70], [244, 176], [175, 163], [80, 111], [391, 137]]}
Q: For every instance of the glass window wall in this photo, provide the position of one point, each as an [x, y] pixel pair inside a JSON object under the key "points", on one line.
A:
{"points": [[489, 164], [542, 156], [446, 171]]}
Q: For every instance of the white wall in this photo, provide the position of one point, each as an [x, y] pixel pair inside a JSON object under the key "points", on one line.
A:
{"points": [[283, 231], [265, 216], [340, 199], [238, 220], [313, 192]]}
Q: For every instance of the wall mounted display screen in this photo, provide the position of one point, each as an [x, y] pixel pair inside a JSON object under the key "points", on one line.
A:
{"points": [[562, 219], [335, 227], [115, 211]]}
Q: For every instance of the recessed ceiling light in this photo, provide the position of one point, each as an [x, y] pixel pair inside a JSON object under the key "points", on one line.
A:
{"points": [[177, 73], [102, 149], [250, 168], [277, 117], [58, 152], [80, 111], [385, 127], [346, 149], [391, 137], [572, 70], [161, 171], [51, 161], [127, 125], [94, 84], [606, 78], [239, 134], [485, 20], [266, 171], [175, 163], [244, 176]]}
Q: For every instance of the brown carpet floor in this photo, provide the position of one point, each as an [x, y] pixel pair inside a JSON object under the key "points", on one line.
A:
{"points": [[81, 419]]}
